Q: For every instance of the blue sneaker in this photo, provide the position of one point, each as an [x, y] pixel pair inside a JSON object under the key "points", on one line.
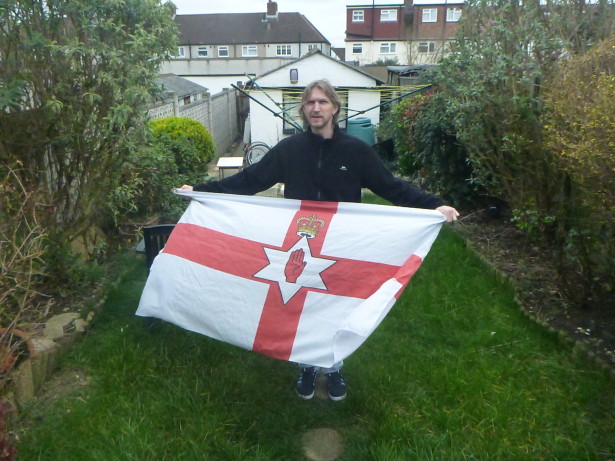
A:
{"points": [[306, 383], [336, 386]]}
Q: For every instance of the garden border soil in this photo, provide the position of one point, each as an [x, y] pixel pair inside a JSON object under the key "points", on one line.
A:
{"points": [[530, 270]]}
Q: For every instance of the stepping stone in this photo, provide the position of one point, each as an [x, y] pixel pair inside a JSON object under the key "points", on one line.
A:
{"points": [[322, 444]]}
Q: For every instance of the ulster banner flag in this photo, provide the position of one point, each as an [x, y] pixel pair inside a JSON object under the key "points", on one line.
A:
{"points": [[296, 280]]}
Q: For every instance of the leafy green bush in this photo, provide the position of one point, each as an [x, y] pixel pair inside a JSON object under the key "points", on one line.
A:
{"points": [[429, 150], [191, 131], [579, 128], [152, 172], [76, 77]]}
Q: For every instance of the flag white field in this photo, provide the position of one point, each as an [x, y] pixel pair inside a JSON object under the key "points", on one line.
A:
{"points": [[296, 280]]}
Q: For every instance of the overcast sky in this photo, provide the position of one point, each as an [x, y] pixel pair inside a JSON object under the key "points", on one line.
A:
{"points": [[328, 16]]}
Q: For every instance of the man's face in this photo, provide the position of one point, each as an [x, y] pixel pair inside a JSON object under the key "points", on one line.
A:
{"points": [[319, 110]]}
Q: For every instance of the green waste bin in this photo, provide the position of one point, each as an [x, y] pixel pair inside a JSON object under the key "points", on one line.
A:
{"points": [[361, 127]]}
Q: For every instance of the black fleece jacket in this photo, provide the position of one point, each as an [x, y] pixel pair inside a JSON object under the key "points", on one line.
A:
{"points": [[314, 168]]}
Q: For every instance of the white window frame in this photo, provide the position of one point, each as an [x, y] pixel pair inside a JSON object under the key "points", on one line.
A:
{"points": [[453, 14], [224, 52], [388, 47], [202, 52], [430, 15], [388, 15], [358, 15], [357, 48], [249, 51], [430, 47], [312, 46], [181, 52], [284, 50]]}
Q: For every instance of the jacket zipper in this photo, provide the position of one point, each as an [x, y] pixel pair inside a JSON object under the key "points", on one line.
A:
{"points": [[319, 193]]}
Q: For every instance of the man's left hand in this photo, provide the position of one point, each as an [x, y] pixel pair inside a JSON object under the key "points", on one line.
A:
{"points": [[450, 213]]}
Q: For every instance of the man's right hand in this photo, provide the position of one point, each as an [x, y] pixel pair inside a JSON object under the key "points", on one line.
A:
{"points": [[186, 188]]}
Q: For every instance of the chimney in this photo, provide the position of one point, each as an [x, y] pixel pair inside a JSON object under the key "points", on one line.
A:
{"points": [[272, 9]]}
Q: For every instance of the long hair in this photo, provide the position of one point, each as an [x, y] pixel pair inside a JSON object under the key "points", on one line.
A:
{"points": [[329, 92]]}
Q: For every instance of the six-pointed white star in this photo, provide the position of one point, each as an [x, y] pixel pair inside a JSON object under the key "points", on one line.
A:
{"points": [[310, 277]]}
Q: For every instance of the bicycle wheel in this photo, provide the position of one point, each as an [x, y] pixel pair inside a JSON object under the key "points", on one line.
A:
{"points": [[255, 152]]}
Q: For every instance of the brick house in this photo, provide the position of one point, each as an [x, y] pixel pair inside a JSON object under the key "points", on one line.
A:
{"points": [[412, 31]]}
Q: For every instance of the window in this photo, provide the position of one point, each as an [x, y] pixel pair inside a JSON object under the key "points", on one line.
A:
{"points": [[249, 51], [453, 14], [283, 50], [357, 48], [201, 51], [358, 15], [312, 47], [223, 52], [181, 52], [430, 15], [388, 15], [427, 47], [388, 47]]}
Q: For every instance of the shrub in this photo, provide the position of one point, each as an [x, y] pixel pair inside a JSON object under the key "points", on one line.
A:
{"points": [[76, 77], [22, 248], [191, 131], [579, 128], [429, 150], [152, 172]]}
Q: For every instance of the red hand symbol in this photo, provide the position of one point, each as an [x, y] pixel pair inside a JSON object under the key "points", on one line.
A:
{"points": [[294, 266]]}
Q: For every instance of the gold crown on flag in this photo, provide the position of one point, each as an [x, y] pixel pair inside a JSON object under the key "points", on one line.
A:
{"points": [[309, 227]]}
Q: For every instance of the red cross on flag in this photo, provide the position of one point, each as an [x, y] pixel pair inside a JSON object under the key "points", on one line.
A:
{"points": [[296, 280]]}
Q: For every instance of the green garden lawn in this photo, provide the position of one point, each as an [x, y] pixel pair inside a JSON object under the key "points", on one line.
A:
{"points": [[454, 372]]}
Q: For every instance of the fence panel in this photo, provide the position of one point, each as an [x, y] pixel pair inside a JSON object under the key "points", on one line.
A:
{"points": [[217, 113]]}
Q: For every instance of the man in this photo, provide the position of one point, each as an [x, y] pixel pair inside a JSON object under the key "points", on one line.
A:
{"points": [[324, 164]]}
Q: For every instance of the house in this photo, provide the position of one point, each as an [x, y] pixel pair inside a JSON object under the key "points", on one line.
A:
{"points": [[410, 32], [217, 50], [375, 33], [275, 95], [430, 26]]}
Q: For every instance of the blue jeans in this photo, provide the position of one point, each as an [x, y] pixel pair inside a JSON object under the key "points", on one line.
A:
{"points": [[336, 367]]}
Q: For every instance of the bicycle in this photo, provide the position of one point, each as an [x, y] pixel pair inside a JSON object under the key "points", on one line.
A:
{"points": [[254, 152]]}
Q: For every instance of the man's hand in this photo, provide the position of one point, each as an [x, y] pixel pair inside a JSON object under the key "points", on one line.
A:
{"points": [[450, 213], [294, 266], [184, 188]]}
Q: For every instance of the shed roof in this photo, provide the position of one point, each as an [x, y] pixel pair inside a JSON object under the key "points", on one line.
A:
{"points": [[180, 85]]}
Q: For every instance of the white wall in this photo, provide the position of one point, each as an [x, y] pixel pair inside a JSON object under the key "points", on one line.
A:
{"points": [[264, 126], [361, 100], [371, 52]]}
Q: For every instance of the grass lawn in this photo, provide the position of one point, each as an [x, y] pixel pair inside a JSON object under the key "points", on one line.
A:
{"points": [[454, 372]]}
